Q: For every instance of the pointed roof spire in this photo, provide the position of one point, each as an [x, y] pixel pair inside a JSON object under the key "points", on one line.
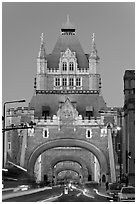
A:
{"points": [[93, 45], [68, 18], [42, 53], [93, 48], [42, 38], [68, 24]]}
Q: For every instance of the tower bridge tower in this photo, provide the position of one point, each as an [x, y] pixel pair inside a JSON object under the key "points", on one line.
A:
{"points": [[70, 113]]}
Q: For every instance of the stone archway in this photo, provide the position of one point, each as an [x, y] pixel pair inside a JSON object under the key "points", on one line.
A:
{"points": [[72, 168], [68, 176], [69, 168], [68, 143], [85, 166]]}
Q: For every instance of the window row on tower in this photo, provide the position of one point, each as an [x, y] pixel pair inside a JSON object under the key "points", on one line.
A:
{"points": [[69, 82]]}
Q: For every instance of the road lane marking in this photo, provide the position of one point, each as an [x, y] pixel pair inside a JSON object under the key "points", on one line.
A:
{"points": [[84, 193], [51, 198], [78, 194]]}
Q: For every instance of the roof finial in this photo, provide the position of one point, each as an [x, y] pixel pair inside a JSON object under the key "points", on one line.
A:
{"points": [[42, 38], [67, 18], [93, 37], [93, 42], [68, 24]]}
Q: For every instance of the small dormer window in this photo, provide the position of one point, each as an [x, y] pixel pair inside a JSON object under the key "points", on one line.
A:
{"points": [[64, 66], [71, 66]]}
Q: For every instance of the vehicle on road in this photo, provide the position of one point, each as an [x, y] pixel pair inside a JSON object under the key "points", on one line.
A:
{"points": [[127, 194], [21, 188], [114, 189], [66, 189]]}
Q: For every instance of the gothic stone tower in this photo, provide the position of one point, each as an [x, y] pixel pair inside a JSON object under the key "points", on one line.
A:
{"points": [[70, 139], [67, 72]]}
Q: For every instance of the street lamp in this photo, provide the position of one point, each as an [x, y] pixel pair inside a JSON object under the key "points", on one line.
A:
{"points": [[121, 140], [4, 119], [119, 129]]}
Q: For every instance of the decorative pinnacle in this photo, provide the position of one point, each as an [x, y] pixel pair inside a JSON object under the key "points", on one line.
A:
{"points": [[93, 37], [93, 43], [93, 48], [42, 53], [42, 38]]}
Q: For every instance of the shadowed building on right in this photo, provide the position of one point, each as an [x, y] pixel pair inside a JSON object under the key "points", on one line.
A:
{"points": [[129, 118]]}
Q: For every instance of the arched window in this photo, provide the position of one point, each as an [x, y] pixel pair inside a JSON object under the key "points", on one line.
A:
{"points": [[103, 178], [64, 66], [71, 66]]}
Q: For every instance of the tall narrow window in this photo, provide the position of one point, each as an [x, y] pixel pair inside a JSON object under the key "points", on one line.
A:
{"points": [[64, 82], [88, 133], [64, 66], [71, 66], [57, 81], [78, 81], [71, 82], [9, 146], [45, 132]]}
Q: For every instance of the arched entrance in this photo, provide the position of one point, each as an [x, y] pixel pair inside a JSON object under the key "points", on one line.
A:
{"points": [[85, 166], [69, 168], [68, 143], [67, 176]]}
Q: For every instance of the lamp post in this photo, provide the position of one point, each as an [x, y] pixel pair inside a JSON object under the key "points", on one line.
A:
{"points": [[119, 129], [120, 135], [4, 119]]}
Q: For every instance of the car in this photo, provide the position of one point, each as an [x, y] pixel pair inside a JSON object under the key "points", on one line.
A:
{"points": [[21, 188], [66, 190], [127, 194], [114, 189]]}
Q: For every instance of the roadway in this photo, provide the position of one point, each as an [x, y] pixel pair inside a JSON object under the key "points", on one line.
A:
{"points": [[56, 194]]}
